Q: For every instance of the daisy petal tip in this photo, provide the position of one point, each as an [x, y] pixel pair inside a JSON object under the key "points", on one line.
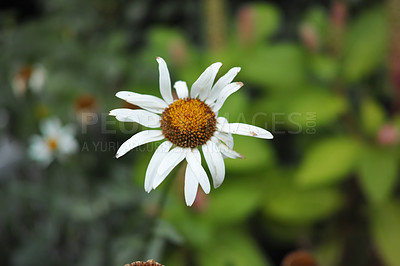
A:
{"points": [[240, 156], [118, 155], [266, 135], [217, 185], [123, 95], [189, 202], [119, 93], [239, 84]]}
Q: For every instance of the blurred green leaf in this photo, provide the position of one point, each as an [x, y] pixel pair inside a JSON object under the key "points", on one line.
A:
{"points": [[257, 152], [160, 39], [318, 19], [231, 248], [324, 67], [328, 161], [366, 44], [304, 206], [279, 66], [372, 116], [235, 108], [167, 231], [316, 107], [378, 170], [244, 195], [189, 224], [296, 205], [155, 248], [265, 20], [385, 229]]}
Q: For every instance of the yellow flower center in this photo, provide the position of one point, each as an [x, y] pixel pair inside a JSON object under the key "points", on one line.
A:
{"points": [[188, 123], [52, 144]]}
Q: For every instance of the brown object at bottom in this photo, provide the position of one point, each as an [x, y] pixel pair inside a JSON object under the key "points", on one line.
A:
{"points": [[144, 263], [299, 258]]}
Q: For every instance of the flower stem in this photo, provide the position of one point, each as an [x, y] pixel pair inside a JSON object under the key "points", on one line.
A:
{"points": [[215, 24]]}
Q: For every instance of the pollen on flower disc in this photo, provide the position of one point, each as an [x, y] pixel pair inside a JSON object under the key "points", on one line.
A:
{"points": [[188, 123], [52, 144], [142, 263]]}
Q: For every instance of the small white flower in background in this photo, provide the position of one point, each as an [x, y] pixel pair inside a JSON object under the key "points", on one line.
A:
{"points": [[187, 123], [33, 77], [56, 141]]}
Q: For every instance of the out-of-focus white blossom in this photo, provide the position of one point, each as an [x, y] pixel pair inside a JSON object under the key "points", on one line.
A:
{"points": [[55, 141]]}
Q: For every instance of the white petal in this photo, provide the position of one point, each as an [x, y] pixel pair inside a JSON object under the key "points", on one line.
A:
{"points": [[38, 78], [139, 139], [245, 129], [155, 161], [148, 102], [215, 162], [143, 117], [221, 83], [225, 93], [181, 89], [39, 150], [67, 143], [227, 138], [50, 127], [193, 158], [191, 186], [221, 121], [171, 159], [202, 86], [165, 81], [69, 129], [229, 153]]}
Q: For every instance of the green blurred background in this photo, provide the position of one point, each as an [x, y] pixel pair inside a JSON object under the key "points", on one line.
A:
{"points": [[322, 76]]}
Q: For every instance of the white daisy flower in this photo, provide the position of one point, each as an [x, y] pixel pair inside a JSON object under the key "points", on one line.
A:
{"points": [[187, 124], [56, 141]]}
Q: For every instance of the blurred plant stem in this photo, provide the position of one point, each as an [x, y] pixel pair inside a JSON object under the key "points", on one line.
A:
{"points": [[163, 196], [338, 25], [394, 56], [155, 243], [337, 32], [338, 19], [215, 24]]}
